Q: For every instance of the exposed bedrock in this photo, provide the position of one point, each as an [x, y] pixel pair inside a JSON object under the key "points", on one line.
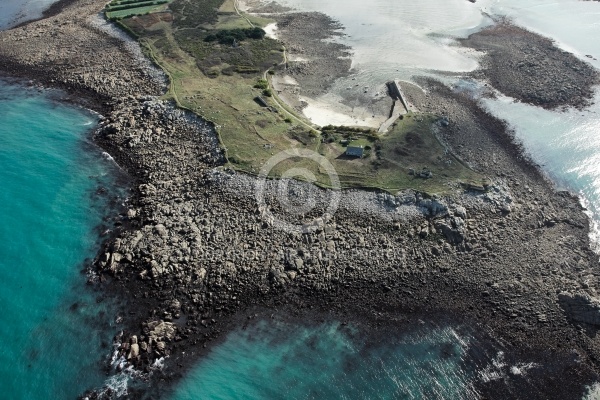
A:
{"points": [[581, 307], [532, 69], [192, 252]]}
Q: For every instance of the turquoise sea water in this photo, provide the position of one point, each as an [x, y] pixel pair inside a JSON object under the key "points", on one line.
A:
{"points": [[280, 360], [51, 327], [400, 38], [53, 331]]}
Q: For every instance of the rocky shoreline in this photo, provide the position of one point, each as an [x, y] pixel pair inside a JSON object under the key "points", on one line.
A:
{"points": [[193, 255], [532, 69], [318, 60]]}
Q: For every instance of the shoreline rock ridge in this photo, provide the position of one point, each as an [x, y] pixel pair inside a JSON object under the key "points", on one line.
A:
{"points": [[193, 257]]}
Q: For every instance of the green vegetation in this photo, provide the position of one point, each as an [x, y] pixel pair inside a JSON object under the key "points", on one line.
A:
{"points": [[220, 63], [119, 9], [262, 84], [412, 148], [193, 13], [250, 54], [232, 36], [383, 167]]}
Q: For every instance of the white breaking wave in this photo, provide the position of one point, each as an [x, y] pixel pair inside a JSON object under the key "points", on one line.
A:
{"points": [[499, 369], [494, 371], [117, 385], [593, 392], [158, 364], [522, 368]]}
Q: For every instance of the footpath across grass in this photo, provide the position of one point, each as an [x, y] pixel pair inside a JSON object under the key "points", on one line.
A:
{"points": [[218, 62]]}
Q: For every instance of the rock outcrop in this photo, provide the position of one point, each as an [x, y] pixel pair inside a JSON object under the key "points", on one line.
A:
{"points": [[192, 250], [581, 307]]}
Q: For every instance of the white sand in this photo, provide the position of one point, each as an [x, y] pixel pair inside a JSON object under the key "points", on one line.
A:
{"points": [[271, 30], [327, 109], [295, 58], [245, 5], [286, 80]]}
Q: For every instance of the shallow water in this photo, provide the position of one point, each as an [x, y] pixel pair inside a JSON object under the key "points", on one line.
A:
{"points": [[388, 35], [13, 12], [565, 144], [390, 40], [280, 360], [52, 329], [399, 39]]}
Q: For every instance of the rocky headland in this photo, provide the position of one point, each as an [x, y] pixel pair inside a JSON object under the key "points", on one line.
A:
{"points": [[532, 69], [194, 256]]}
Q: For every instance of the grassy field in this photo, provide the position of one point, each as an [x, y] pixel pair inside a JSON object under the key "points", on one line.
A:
{"points": [[396, 160], [218, 64], [228, 7], [119, 9]]}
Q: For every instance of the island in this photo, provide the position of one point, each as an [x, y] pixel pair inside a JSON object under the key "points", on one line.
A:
{"points": [[439, 213]]}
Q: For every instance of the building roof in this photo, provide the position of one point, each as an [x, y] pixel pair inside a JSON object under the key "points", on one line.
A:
{"points": [[356, 151]]}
